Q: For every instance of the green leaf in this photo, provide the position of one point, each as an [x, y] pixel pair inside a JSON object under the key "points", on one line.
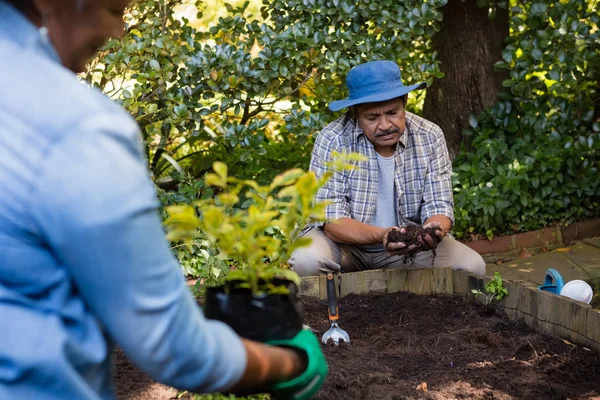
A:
{"points": [[155, 65], [524, 201], [283, 71], [286, 178], [221, 170], [261, 151], [245, 156], [538, 9], [501, 65], [554, 75]]}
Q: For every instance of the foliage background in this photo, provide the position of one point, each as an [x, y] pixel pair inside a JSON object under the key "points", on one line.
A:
{"points": [[248, 85]]}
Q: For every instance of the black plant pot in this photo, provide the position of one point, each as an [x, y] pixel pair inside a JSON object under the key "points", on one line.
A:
{"points": [[262, 317]]}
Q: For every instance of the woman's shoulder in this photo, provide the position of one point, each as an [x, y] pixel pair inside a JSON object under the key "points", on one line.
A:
{"points": [[46, 97]]}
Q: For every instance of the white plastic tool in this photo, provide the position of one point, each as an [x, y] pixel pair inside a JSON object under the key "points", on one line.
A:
{"points": [[578, 290]]}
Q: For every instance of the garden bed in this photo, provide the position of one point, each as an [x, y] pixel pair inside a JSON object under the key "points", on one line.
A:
{"points": [[411, 328], [459, 349]]}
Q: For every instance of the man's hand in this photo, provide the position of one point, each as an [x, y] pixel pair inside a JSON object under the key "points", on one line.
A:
{"points": [[412, 239], [431, 236], [398, 248]]}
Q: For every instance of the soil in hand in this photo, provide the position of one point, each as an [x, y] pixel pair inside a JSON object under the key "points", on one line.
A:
{"points": [[410, 237], [405, 346]]}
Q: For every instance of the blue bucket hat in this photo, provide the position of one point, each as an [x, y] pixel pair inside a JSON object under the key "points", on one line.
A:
{"points": [[372, 82]]}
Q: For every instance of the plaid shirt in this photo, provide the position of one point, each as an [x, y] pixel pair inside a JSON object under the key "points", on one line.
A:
{"points": [[423, 172]]}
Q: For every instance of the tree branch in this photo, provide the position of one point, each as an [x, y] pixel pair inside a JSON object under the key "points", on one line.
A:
{"points": [[249, 114]]}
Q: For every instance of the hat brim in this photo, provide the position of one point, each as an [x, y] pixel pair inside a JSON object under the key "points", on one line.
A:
{"points": [[339, 104]]}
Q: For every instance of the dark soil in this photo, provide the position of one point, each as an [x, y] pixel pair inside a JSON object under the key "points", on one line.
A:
{"points": [[413, 236], [402, 343], [460, 350]]}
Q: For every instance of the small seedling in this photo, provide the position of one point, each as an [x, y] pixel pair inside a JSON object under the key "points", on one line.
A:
{"points": [[494, 290]]}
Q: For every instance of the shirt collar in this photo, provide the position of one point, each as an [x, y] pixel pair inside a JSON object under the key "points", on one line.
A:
{"points": [[15, 27]]}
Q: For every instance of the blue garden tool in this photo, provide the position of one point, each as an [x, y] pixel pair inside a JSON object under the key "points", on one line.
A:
{"points": [[553, 282]]}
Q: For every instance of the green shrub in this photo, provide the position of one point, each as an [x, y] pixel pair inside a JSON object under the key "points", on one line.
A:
{"points": [[534, 156], [251, 90], [254, 227]]}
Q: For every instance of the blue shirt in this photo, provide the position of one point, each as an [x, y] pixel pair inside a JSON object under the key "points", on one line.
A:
{"points": [[83, 258]]}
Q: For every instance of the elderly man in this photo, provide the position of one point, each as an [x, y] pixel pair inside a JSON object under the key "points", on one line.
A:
{"points": [[406, 181]]}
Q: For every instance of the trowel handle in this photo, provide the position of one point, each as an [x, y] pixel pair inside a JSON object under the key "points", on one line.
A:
{"points": [[331, 298]]}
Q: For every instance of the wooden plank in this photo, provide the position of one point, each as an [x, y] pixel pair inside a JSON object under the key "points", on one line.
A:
{"points": [[549, 308], [460, 282], [477, 283], [511, 301], [375, 281], [512, 314], [351, 283], [310, 286], [527, 309], [396, 280], [576, 320], [323, 287], [419, 281], [442, 280], [593, 329], [528, 295], [363, 282], [549, 313]]}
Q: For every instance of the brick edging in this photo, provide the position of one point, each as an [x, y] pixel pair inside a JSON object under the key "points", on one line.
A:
{"points": [[556, 235]]}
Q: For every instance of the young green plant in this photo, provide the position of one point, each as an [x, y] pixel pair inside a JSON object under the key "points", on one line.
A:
{"points": [[255, 227], [494, 290]]}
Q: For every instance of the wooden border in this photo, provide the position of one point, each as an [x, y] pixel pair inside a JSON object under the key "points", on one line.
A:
{"points": [[543, 312]]}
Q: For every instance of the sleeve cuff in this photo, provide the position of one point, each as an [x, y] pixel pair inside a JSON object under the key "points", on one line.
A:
{"points": [[445, 212]]}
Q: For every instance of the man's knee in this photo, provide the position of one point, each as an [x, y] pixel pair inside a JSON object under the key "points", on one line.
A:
{"points": [[461, 256], [472, 262], [304, 262], [320, 257], [307, 263]]}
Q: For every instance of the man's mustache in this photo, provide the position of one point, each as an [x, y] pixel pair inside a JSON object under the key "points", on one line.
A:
{"points": [[386, 132]]}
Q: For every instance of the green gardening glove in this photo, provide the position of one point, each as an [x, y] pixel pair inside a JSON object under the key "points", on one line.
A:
{"points": [[307, 384]]}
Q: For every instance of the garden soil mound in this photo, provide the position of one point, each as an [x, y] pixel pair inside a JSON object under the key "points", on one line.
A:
{"points": [[405, 346]]}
